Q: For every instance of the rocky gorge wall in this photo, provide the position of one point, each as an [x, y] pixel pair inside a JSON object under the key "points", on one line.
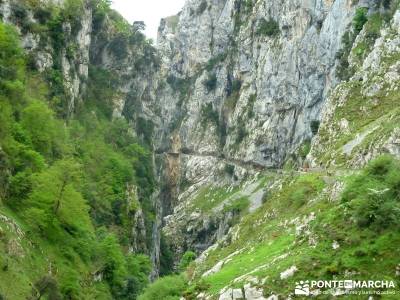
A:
{"points": [[237, 91], [232, 87], [246, 81]]}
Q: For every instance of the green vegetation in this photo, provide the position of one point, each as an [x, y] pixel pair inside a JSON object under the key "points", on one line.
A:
{"points": [[241, 134], [314, 126], [65, 183], [211, 82], [265, 247], [237, 206], [373, 197], [233, 94], [374, 116], [186, 259], [215, 61], [250, 105], [208, 198], [372, 32], [168, 288], [268, 28], [229, 169], [68, 201], [243, 9], [360, 18], [305, 149], [372, 25], [166, 257], [258, 242], [343, 70]]}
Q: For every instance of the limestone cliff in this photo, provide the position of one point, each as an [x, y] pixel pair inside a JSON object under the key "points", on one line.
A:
{"points": [[233, 87], [246, 83]]}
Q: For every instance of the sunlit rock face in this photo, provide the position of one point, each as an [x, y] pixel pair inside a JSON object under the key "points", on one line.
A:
{"points": [[244, 82], [240, 84]]}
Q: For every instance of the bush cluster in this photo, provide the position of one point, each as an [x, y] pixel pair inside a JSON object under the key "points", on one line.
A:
{"points": [[211, 82], [373, 197], [268, 27]]}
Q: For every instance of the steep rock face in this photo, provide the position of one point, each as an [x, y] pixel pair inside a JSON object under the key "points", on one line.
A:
{"points": [[71, 58], [359, 120], [244, 82], [244, 94]]}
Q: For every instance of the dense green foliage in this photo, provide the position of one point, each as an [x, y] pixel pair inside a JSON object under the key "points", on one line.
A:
{"points": [[166, 288], [186, 259], [373, 197], [211, 82], [268, 27], [360, 18], [343, 70], [304, 149], [314, 126], [66, 183]]}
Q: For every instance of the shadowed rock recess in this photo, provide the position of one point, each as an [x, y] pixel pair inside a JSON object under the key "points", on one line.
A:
{"points": [[254, 147]]}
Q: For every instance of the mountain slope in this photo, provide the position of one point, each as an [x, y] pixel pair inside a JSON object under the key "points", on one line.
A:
{"points": [[75, 204], [259, 136], [337, 218]]}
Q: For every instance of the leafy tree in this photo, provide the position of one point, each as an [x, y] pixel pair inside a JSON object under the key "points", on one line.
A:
{"points": [[43, 130], [11, 57], [139, 268], [186, 259], [114, 267], [169, 287], [360, 19], [55, 206], [166, 257], [211, 82], [69, 284], [52, 169], [314, 126]]}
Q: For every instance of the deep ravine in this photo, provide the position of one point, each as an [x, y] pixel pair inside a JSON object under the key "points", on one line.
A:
{"points": [[256, 145]]}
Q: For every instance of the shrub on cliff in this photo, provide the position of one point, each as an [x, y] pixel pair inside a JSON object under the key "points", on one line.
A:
{"points": [[373, 197], [360, 19], [186, 259], [211, 82], [268, 27]]}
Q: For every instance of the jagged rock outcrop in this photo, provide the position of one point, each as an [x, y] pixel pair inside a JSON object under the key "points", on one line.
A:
{"points": [[72, 58], [232, 88], [244, 82], [358, 120], [237, 91]]}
